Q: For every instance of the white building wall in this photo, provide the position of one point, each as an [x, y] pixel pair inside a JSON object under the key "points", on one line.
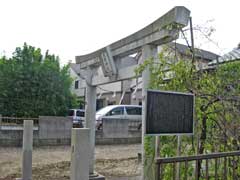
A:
{"points": [[79, 92]]}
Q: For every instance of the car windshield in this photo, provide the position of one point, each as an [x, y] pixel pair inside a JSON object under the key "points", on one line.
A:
{"points": [[104, 110]]}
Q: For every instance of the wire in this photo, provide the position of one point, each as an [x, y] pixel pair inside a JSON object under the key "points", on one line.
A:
{"points": [[186, 41]]}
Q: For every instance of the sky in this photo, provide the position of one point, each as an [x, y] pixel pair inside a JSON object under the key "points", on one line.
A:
{"points": [[68, 28]]}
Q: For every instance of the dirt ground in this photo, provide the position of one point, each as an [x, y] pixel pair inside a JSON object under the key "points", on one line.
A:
{"points": [[112, 161]]}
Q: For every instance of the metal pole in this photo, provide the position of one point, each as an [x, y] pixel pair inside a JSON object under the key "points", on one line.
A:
{"points": [[157, 147], [157, 155], [148, 51], [192, 39], [27, 150], [179, 138]]}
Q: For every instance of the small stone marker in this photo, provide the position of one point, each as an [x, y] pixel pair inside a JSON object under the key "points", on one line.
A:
{"points": [[80, 154], [27, 150]]}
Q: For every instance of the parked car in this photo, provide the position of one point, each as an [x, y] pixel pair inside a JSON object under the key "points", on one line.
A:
{"points": [[118, 111], [78, 117]]}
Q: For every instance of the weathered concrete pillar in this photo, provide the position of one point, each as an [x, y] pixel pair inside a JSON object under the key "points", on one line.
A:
{"points": [[148, 51], [27, 150], [80, 154], [90, 113]]}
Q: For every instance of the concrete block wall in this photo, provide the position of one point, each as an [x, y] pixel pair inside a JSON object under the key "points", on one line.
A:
{"points": [[118, 131], [54, 130], [54, 127], [14, 137], [51, 130], [57, 131], [115, 128]]}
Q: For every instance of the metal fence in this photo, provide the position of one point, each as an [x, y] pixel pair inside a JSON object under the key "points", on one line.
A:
{"points": [[217, 166], [15, 121]]}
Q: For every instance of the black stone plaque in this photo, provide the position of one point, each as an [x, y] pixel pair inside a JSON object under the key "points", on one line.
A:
{"points": [[169, 113]]}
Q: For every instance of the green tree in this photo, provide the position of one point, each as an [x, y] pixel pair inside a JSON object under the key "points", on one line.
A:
{"points": [[33, 84], [217, 103]]}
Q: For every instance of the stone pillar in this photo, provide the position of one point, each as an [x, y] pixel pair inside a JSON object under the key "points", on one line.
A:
{"points": [[90, 112], [148, 51], [80, 154], [27, 150]]}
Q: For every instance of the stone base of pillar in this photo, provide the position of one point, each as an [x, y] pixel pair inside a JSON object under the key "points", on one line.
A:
{"points": [[96, 177], [91, 177]]}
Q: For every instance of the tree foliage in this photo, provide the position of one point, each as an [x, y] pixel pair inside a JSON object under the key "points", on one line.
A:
{"points": [[33, 84]]}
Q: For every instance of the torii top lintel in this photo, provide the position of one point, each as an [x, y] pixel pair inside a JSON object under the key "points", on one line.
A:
{"points": [[151, 34], [163, 30]]}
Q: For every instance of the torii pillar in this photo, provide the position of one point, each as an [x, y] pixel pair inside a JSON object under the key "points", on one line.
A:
{"points": [[90, 111], [148, 51]]}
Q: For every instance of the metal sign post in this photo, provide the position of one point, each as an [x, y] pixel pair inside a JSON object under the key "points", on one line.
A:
{"points": [[179, 138]]}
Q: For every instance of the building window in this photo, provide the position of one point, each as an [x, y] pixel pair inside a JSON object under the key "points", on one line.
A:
{"points": [[76, 84]]}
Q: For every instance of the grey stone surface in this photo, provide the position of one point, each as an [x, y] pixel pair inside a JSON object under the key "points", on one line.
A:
{"points": [[80, 154], [109, 141], [54, 127], [148, 51], [98, 177], [14, 138], [115, 128], [27, 150], [120, 128], [90, 112], [115, 132], [51, 131]]}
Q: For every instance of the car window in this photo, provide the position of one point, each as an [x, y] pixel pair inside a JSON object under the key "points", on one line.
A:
{"points": [[80, 113], [116, 111], [134, 110]]}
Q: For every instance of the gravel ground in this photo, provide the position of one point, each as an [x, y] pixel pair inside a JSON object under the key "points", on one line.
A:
{"points": [[113, 161]]}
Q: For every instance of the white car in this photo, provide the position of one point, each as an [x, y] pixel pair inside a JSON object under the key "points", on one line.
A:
{"points": [[118, 111]]}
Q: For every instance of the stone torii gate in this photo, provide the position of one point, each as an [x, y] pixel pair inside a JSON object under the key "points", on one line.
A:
{"points": [[104, 65]]}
